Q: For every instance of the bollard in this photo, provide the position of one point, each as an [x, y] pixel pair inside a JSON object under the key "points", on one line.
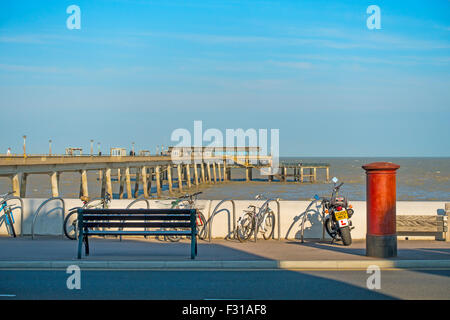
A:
{"points": [[381, 237]]}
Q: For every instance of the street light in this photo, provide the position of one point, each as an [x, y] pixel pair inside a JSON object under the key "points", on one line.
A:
{"points": [[24, 146], [50, 147], [92, 147]]}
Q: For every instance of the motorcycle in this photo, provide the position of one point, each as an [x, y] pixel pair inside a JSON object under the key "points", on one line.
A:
{"points": [[337, 222]]}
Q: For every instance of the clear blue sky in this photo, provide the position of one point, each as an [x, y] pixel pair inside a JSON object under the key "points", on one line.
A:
{"points": [[137, 70]]}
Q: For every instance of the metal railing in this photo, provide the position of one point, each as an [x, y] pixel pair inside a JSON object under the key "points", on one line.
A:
{"points": [[131, 204], [36, 214], [215, 211], [137, 200], [266, 203]]}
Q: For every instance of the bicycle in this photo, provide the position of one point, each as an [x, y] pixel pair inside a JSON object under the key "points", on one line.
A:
{"points": [[188, 202], [71, 220], [251, 221], [8, 216]]}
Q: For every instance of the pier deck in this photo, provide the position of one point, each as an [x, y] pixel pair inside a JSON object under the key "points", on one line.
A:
{"points": [[147, 170]]}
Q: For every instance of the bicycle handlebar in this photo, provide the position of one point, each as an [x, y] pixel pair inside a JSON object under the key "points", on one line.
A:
{"points": [[190, 195], [6, 194]]}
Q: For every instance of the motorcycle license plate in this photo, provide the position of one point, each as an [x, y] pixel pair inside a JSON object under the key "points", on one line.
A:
{"points": [[341, 215]]}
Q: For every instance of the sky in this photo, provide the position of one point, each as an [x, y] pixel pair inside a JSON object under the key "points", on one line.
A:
{"points": [[136, 71]]}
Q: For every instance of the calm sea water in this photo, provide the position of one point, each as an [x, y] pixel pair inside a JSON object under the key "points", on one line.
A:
{"points": [[417, 179]]}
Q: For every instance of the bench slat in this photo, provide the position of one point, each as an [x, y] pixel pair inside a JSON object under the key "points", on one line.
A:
{"points": [[180, 217], [139, 233], [107, 224], [420, 229], [421, 223], [135, 211]]}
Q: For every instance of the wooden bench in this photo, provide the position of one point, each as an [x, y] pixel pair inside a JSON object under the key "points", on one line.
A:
{"points": [[102, 222], [421, 225]]}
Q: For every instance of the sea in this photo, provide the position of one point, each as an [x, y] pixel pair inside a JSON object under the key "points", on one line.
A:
{"points": [[418, 179]]}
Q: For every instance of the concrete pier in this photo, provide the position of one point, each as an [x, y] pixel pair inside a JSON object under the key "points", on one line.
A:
{"points": [[210, 169]]}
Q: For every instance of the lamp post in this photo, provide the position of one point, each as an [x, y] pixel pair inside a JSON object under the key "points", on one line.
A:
{"points": [[24, 146], [92, 147], [50, 147]]}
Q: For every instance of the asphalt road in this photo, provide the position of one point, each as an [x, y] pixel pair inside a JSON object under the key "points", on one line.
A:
{"points": [[223, 284]]}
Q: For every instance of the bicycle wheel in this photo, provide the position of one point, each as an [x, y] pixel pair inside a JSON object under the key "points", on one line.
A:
{"points": [[10, 221], [71, 225], [202, 230], [269, 225], [245, 227], [172, 238]]}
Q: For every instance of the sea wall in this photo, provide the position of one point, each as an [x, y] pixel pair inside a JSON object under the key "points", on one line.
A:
{"points": [[49, 221]]}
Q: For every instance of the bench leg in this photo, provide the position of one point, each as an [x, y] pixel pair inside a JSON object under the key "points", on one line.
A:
{"points": [[193, 247], [86, 245], [80, 246]]}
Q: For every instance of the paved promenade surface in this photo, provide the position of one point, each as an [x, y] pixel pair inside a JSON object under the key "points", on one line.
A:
{"points": [[137, 268], [141, 249]]}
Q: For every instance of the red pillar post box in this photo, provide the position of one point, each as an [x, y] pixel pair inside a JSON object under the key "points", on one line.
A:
{"points": [[381, 237]]}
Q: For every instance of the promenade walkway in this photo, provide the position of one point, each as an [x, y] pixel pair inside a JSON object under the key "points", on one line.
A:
{"points": [[135, 252]]}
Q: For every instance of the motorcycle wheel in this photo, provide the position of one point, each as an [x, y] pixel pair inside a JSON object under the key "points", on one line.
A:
{"points": [[329, 228], [346, 236]]}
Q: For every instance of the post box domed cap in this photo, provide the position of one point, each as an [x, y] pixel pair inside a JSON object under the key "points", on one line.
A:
{"points": [[381, 166]]}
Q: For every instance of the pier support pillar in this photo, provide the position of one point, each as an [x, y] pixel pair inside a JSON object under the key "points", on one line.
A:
{"points": [[54, 184], [137, 182], [23, 185], [128, 182], [315, 175], [158, 180], [15, 184], [219, 171], [180, 178], [248, 174], [149, 181], [225, 177], [195, 174], [208, 170], [108, 181], [102, 180], [214, 172], [121, 178], [328, 174], [381, 238], [202, 166], [169, 178], [188, 176], [84, 184]]}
